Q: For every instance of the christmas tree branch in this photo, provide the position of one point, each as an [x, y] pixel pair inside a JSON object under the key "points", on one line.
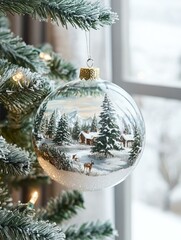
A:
{"points": [[5, 199], [62, 207], [4, 23], [79, 13], [79, 89], [17, 52], [89, 231], [61, 69], [21, 97], [14, 225], [22, 137], [35, 178], [13, 160]]}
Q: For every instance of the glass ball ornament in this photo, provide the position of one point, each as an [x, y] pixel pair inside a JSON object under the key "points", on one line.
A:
{"points": [[88, 134]]}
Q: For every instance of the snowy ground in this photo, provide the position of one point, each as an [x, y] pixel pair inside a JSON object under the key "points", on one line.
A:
{"points": [[83, 182], [102, 165], [150, 223]]}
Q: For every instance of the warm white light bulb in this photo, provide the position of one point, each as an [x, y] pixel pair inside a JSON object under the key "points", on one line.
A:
{"points": [[18, 76], [45, 56], [34, 197]]}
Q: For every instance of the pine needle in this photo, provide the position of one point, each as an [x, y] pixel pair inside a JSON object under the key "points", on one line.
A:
{"points": [[62, 207], [79, 13]]}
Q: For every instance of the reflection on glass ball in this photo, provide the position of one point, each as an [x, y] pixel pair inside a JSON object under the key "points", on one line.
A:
{"points": [[88, 135]]}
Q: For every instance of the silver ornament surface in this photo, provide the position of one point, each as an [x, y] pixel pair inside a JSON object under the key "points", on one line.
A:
{"points": [[88, 135]]}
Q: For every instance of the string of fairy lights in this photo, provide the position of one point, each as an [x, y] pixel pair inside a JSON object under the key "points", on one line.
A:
{"points": [[19, 77]]}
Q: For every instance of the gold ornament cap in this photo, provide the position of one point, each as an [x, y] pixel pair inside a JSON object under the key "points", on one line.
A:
{"points": [[89, 73]]}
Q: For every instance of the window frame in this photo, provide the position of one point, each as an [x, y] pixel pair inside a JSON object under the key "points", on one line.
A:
{"points": [[120, 63]]}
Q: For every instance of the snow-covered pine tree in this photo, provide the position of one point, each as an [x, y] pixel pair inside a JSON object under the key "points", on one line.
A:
{"points": [[38, 120], [44, 125], [51, 125], [20, 97], [127, 129], [76, 130], [109, 132], [94, 124], [136, 147], [62, 135]]}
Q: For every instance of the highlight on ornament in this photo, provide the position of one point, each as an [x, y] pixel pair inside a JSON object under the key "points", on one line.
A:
{"points": [[88, 134]]}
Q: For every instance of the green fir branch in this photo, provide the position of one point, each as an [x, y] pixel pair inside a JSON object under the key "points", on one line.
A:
{"points": [[80, 89], [22, 97], [4, 23], [14, 225], [22, 137], [17, 52], [62, 207], [61, 69], [13, 160], [35, 178], [79, 13], [5, 199], [88, 231]]}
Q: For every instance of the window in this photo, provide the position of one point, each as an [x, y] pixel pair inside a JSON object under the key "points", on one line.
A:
{"points": [[146, 62], [155, 47]]}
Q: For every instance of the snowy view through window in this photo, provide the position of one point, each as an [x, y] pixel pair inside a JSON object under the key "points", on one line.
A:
{"points": [[155, 47]]}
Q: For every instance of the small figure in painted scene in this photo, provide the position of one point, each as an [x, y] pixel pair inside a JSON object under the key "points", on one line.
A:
{"points": [[88, 167]]}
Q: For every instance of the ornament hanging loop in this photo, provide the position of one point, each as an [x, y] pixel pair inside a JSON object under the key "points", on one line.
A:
{"points": [[90, 62], [89, 72]]}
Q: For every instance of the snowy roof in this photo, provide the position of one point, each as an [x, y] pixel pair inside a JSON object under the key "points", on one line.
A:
{"points": [[89, 135], [128, 137]]}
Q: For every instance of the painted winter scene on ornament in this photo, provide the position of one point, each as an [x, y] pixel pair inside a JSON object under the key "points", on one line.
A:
{"points": [[88, 135]]}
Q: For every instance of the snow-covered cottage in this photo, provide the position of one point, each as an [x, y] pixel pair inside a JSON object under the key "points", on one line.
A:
{"points": [[87, 137], [127, 140]]}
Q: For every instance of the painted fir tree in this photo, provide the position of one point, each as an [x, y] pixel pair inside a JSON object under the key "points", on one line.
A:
{"points": [[76, 130], [52, 125], [62, 134], [94, 124], [109, 132], [39, 119], [44, 125], [136, 147], [127, 129]]}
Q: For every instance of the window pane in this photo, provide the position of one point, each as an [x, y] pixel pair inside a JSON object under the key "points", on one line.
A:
{"points": [[157, 179], [155, 41]]}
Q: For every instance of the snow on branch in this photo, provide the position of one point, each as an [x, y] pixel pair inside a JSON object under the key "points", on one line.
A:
{"points": [[79, 13], [13, 160], [90, 231], [62, 207], [15, 225]]}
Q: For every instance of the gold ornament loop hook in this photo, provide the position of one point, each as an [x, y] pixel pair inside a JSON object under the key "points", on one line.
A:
{"points": [[90, 62]]}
